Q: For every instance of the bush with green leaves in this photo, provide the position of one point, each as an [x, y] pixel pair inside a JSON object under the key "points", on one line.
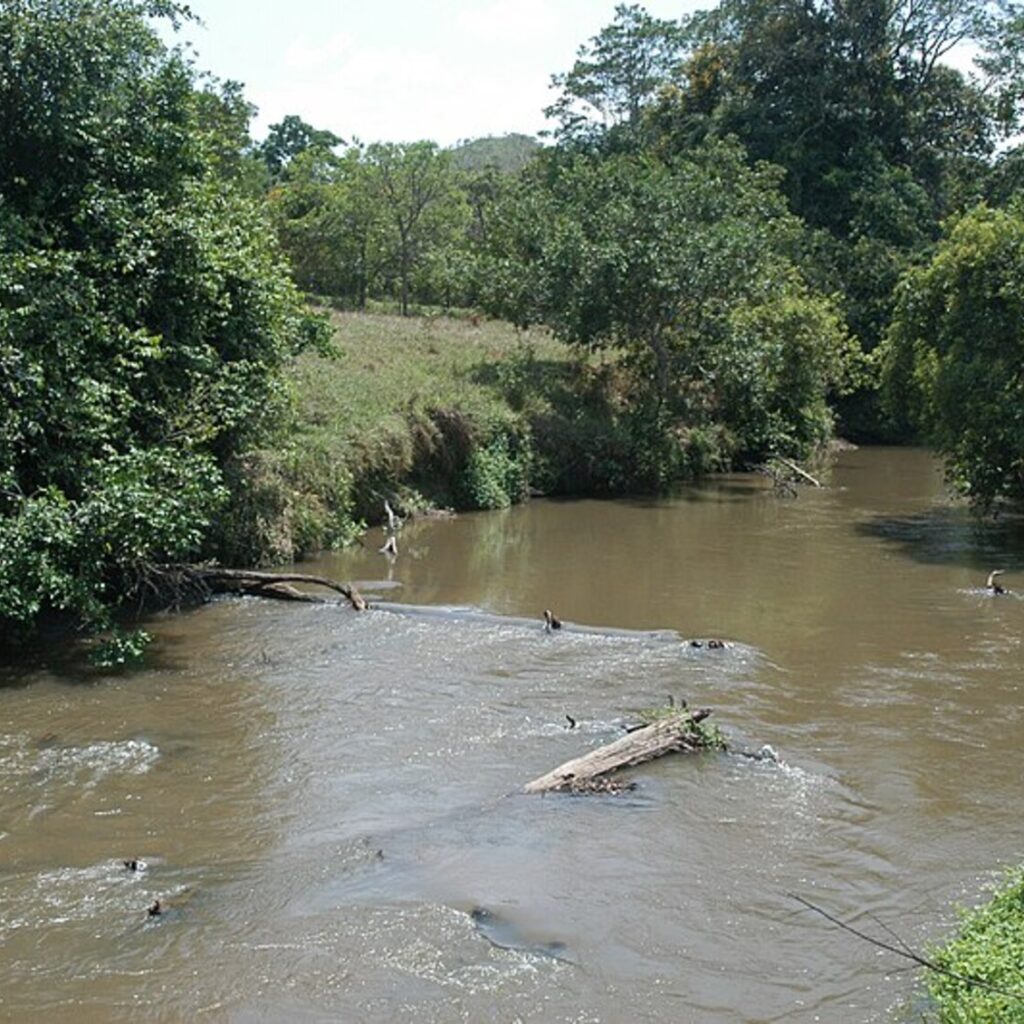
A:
{"points": [[144, 310], [988, 948], [955, 350], [497, 473]]}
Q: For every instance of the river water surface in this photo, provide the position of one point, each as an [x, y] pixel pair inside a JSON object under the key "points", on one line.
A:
{"points": [[322, 799]]}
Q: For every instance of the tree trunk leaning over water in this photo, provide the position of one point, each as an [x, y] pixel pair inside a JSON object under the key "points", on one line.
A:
{"points": [[673, 733], [206, 580]]}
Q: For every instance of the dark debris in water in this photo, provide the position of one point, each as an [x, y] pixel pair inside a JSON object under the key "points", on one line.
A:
{"points": [[607, 786], [503, 934]]}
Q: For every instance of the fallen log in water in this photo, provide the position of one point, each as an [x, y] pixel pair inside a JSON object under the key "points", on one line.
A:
{"points": [[677, 731], [205, 580]]}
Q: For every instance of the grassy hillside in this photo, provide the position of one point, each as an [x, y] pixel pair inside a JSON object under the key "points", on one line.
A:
{"points": [[405, 400], [426, 411], [504, 152]]}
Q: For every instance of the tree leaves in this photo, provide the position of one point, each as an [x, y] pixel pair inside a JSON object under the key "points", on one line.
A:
{"points": [[145, 312], [955, 351]]}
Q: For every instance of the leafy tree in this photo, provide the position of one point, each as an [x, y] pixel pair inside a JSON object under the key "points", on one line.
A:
{"points": [[685, 267], [222, 119], [331, 225], [616, 74], [956, 348], [414, 185], [144, 310], [290, 137], [832, 91]]}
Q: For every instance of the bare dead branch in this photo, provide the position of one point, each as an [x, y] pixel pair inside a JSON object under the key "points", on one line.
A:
{"points": [[904, 951], [204, 580]]}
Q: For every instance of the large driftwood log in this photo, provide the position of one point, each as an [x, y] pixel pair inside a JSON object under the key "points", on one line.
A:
{"points": [[669, 734], [215, 580]]}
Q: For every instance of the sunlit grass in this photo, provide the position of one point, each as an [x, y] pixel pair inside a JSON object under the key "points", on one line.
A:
{"points": [[391, 374]]}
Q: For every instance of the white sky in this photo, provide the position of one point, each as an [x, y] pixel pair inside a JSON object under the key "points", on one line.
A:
{"points": [[402, 70]]}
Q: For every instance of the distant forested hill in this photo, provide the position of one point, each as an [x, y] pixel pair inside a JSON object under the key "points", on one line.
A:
{"points": [[505, 152]]}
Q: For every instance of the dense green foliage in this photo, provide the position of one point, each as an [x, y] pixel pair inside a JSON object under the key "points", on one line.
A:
{"points": [[957, 347], [879, 137], [718, 232], [686, 267], [989, 948], [144, 312]]}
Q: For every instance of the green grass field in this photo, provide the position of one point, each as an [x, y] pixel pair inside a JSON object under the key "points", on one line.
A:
{"points": [[369, 404], [424, 411]]}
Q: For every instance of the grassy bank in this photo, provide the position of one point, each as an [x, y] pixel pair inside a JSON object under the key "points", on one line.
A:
{"points": [[406, 401], [988, 947], [422, 410], [437, 411]]}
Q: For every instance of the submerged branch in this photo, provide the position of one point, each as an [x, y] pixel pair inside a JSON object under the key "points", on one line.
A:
{"points": [[904, 951], [798, 470]]}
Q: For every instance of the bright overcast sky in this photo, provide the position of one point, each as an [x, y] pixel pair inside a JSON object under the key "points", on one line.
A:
{"points": [[402, 70]]}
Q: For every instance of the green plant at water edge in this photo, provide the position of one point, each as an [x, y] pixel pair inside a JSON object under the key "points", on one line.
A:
{"points": [[989, 947], [285, 503], [704, 734], [497, 474], [119, 647]]}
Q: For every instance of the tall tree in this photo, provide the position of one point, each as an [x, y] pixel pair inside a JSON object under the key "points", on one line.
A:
{"points": [[415, 185], [331, 225], [290, 137], [615, 75], [834, 90], [144, 310]]}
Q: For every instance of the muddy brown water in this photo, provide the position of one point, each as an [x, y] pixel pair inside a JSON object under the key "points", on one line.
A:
{"points": [[323, 799]]}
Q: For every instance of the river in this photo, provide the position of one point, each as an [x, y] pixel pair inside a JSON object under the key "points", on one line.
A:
{"points": [[322, 799]]}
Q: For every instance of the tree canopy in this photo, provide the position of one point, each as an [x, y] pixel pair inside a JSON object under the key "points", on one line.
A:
{"points": [[144, 309], [956, 349], [688, 267]]}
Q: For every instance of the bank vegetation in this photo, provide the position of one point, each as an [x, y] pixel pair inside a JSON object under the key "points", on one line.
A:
{"points": [[748, 229]]}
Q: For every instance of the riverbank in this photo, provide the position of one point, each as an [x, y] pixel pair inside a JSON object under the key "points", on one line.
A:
{"points": [[433, 412], [988, 948]]}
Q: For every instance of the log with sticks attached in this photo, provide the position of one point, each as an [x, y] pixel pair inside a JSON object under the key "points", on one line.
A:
{"points": [[672, 733], [206, 580]]}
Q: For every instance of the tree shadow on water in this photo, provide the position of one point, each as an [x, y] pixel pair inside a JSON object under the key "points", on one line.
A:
{"points": [[953, 536], [59, 652]]}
